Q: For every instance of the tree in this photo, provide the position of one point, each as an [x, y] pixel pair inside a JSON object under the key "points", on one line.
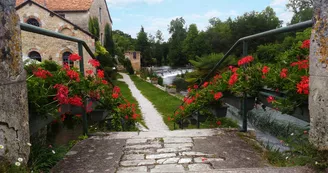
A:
{"points": [[142, 45], [190, 46], [123, 42], [108, 42], [178, 32], [14, 127], [93, 26], [303, 10]]}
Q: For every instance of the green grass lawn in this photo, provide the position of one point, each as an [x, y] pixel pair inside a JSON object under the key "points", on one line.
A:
{"points": [[119, 76], [128, 95], [163, 102]]}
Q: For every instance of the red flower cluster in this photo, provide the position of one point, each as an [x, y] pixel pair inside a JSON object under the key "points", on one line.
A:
{"points": [[245, 60], [74, 57], [94, 63], [189, 90], [195, 86], [306, 44], [89, 72], [218, 95], [265, 70], [115, 95], [117, 89], [116, 92], [62, 94], [270, 99], [94, 95], [218, 123], [73, 75], [104, 82], [302, 64], [303, 86], [205, 84], [100, 73], [189, 100], [233, 79], [76, 101], [41, 73], [283, 73]]}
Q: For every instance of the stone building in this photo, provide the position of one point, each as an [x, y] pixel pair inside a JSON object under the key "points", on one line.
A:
{"points": [[135, 58], [66, 17]]}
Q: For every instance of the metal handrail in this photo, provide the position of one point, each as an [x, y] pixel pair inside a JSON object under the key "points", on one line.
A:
{"points": [[301, 25]]}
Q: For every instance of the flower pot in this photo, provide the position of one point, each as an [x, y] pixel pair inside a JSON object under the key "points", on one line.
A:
{"points": [[183, 124], [302, 112], [153, 81], [219, 111], [200, 118], [37, 122], [171, 90], [98, 115], [237, 102]]}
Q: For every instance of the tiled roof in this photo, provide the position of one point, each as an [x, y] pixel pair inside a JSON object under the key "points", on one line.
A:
{"points": [[62, 5]]}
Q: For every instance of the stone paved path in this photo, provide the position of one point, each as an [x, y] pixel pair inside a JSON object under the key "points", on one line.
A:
{"points": [[152, 117], [206, 150]]}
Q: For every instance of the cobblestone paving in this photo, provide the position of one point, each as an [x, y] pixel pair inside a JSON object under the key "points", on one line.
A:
{"points": [[168, 154]]}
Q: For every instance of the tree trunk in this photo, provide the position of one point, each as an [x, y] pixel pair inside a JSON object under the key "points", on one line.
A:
{"points": [[14, 128], [318, 98]]}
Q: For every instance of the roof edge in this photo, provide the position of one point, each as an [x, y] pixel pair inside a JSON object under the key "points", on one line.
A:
{"points": [[55, 14], [110, 18]]}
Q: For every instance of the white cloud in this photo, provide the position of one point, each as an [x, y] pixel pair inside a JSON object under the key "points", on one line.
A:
{"points": [[278, 2], [279, 6], [129, 2]]}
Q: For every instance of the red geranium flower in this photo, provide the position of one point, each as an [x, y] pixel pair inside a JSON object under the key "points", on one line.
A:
{"points": [[78, 115], [195, 86], [100, 73], [76, 101], [62, 94], [205, 84], [73, 75], [189, 90], [306, 44], [41, 73], [104, 82], [218, 123], [115, 95], [89, 72], [270, 99], [245, 60], [135, 116], [189, 101], [233, 79], [117, 89], [283, 73], [94, 63], [218, 95], [126, 117], [181, 107], [303, 86], [302, 64], [265, 70], [74, 57]]}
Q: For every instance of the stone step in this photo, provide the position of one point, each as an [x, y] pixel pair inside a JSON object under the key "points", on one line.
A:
{"points": [[259, 170]]}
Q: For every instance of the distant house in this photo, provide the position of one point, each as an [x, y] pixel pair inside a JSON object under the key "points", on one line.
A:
{"points": [[79, 11], [63, 16], [135, 58]]}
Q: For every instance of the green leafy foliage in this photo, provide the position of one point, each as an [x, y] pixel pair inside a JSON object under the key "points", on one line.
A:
{"points": [[94, 27]]}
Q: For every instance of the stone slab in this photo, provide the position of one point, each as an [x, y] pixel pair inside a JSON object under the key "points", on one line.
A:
{"points": [[185, 160], [136, 141], [141, 169], [172, 150], [177, 140], [207, 160], [182, 145], [146, 151], [140, 147], [199, 167], [160, 156], [97, 161], [133, 157], [168, 168], [137, 162], [196, 154], [168, 161]]}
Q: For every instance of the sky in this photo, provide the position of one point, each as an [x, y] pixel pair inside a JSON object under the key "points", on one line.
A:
{"points": [[129, 15]]}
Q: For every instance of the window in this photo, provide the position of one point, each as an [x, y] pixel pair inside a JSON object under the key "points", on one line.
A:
{"points": [[134, 55], [35, 55], [33, 21], [66, 60], [100, 15]]}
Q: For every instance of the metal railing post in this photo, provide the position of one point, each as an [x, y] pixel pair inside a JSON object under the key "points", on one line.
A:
{"points": [[244, 102], [84, 114]]}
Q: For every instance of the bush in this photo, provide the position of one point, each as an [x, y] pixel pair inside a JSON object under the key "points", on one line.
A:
{"points": [[181, 84], [160, 81], [128, 66]]}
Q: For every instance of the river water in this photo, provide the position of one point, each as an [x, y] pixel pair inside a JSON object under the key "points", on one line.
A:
{"points": [[169, 74]]}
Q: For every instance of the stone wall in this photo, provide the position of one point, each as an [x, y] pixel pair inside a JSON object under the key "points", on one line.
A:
{"points": [[14, 128], [318, 102], [135, 61], [48, 47]]}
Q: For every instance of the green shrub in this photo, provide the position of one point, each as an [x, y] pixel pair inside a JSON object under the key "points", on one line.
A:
{"points": [[180, 84], [160, 81], [128, 66]]}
